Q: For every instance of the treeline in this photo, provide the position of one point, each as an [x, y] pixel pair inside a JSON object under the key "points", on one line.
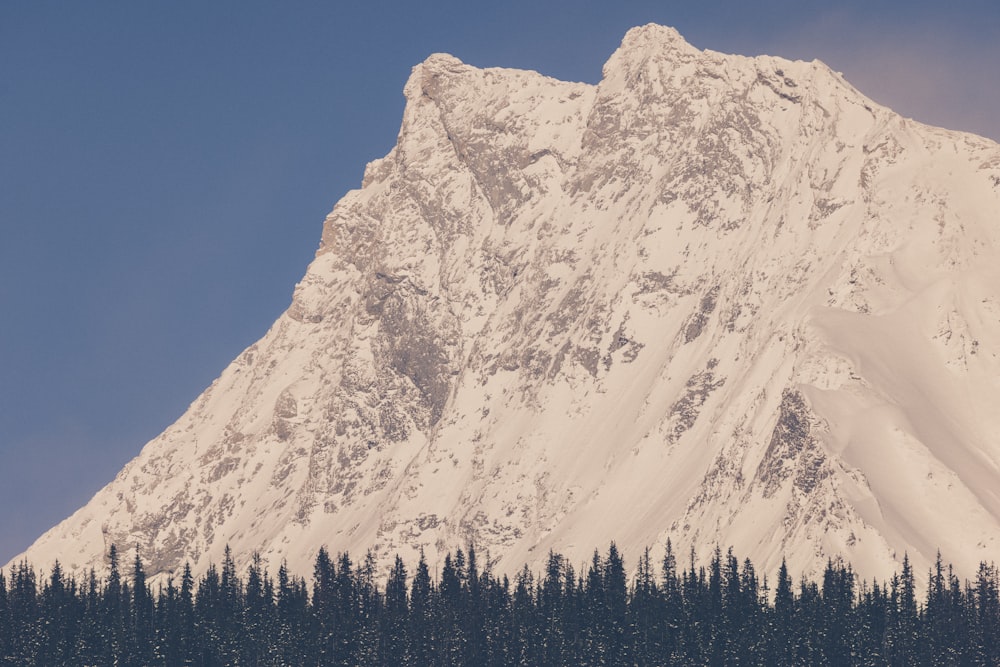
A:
{"points": [[722, 614]]}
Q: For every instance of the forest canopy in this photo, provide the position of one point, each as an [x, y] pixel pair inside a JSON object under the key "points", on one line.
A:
{"points": [[665, 614]]}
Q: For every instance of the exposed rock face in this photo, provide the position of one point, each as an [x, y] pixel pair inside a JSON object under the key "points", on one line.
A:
{"points": [[719, 298]]}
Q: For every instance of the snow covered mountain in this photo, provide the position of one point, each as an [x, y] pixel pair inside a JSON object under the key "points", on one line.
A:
{"points": [[721, 299]]}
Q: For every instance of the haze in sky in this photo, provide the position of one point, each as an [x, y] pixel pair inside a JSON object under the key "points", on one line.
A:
{"points": [[165, 171]]}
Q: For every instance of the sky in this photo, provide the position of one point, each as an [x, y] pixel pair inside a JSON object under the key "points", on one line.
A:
{"points": [[165, 169]]}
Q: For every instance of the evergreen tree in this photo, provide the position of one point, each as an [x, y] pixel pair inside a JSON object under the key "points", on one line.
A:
{"points": [[258, 619], [615, 612], [141, 629], [208, 607], [113, 620], [58, 616], [695, 626], [297, 639], [347, 619], [810, 635], [695, 617], [987, 616], [422, 633], [474, 612], [712, 612], [752, 630], [594, 642], [393, 626], [959, 621], [784, 612], [525, 628], [6, 629], [906, 618], [325, 603], [370, 608], [451, 610], [89, 641], [186, 636], [645, 626], [673, 603], [552, 612], [838, 598], [872, 615], [497, 620], [166, 648], [937, 610]]}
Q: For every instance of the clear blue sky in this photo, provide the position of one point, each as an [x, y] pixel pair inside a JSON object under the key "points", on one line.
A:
{"points": [[165, 169]]}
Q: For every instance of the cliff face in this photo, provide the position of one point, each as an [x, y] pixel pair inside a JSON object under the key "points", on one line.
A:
{"points": [[721, 299]]}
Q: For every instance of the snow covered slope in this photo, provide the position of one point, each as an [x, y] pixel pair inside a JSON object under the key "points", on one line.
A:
{"points": [[722, 299]]}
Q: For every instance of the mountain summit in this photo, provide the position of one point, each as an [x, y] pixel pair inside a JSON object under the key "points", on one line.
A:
{"points": [[719, 299]]}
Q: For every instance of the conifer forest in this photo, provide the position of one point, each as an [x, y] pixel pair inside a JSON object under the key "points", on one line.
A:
{"points": [[666, 613]]}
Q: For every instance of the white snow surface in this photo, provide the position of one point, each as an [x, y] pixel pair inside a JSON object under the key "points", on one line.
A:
{"points": [[720, 299]]}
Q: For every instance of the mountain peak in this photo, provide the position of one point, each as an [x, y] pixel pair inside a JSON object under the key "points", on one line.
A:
{"points": [[424, 77], [689, 302], [441, 62], [654, 36], [646, 61], [654, 42]]}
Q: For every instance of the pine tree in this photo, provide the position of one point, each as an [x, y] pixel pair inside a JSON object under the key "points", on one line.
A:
{"points": [[673, 603], [347, 618], [165, 642], [838, 598], [89, 647], [551, 611], [712, 613], [935, 649], [57, 619], [594, 599], [208, 606], [808, 625], [6, 629], [525, 640], [695, 626], [325, 600], [959, 621], [907, 617], [987, 618], [473, 612], [258, 617], [730, 621], [751, 631], [422, 633], [370, 603], [645, 625], [114, 611], [394, 617], [297, 638], [784, 612], [140, 635], [615, 610], [451, 609]]}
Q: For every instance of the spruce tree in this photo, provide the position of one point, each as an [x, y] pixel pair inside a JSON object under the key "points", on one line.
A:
{"points": [[615, 610], [394, 617], [673, 602], [987, 617], [551, 611], [6, 630], [783, 613], [141, 631], [422, 633]]}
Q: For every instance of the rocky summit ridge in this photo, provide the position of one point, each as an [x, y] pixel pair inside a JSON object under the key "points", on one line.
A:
{"points": [[720, 299]]}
